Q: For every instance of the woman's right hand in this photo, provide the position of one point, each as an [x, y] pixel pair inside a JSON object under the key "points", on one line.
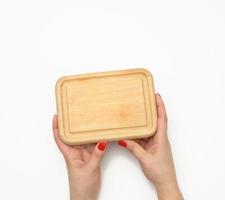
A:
{"points": [[155, 157]]}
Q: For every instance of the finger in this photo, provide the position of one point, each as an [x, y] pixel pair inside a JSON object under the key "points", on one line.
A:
{"points": [[136, 149], [55, 129], [97, 154], [162, 118]]}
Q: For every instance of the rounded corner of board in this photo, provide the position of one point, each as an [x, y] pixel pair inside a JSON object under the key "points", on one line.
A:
{"points": [[59, 82], [145, 72], [65, 139], [153, 129]]}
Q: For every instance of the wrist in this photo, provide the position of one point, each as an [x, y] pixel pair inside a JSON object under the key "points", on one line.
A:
{"points": [[80, 188], [77, 195], [81, 198], [168, 191]]}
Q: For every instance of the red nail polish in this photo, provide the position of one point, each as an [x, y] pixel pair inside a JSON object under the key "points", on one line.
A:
{"points": [[101, 146], [122, 143]]}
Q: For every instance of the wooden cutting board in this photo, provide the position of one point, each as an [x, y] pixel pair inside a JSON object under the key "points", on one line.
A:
{"points": [[106, 106]]}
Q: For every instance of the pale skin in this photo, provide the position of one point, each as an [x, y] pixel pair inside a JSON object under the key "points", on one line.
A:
{"points": [[83, 166], [154, 155]]}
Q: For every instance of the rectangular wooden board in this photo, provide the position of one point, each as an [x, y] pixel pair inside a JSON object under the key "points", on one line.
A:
{"points": [[106, 106]]}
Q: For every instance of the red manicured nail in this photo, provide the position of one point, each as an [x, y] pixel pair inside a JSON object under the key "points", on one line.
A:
{"points": [[122, 143], [101, 146]]}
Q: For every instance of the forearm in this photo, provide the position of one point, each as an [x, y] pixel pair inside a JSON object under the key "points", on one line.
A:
{"points": [[73, 195]]}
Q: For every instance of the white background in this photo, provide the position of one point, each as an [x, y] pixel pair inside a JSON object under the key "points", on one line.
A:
{"points": [[181, 42]]}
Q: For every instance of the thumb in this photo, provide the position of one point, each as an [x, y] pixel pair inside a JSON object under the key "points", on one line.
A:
{"points": [[137, 150], [97, 154]]}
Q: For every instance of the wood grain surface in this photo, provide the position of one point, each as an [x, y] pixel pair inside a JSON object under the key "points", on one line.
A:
{"points": [[106, 106]]}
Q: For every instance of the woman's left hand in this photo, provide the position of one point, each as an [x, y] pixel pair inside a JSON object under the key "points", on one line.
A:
{"points": [[83, 166]]}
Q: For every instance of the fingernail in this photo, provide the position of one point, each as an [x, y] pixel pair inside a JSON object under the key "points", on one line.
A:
{"points": [[122, 143], [101, 146]]}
